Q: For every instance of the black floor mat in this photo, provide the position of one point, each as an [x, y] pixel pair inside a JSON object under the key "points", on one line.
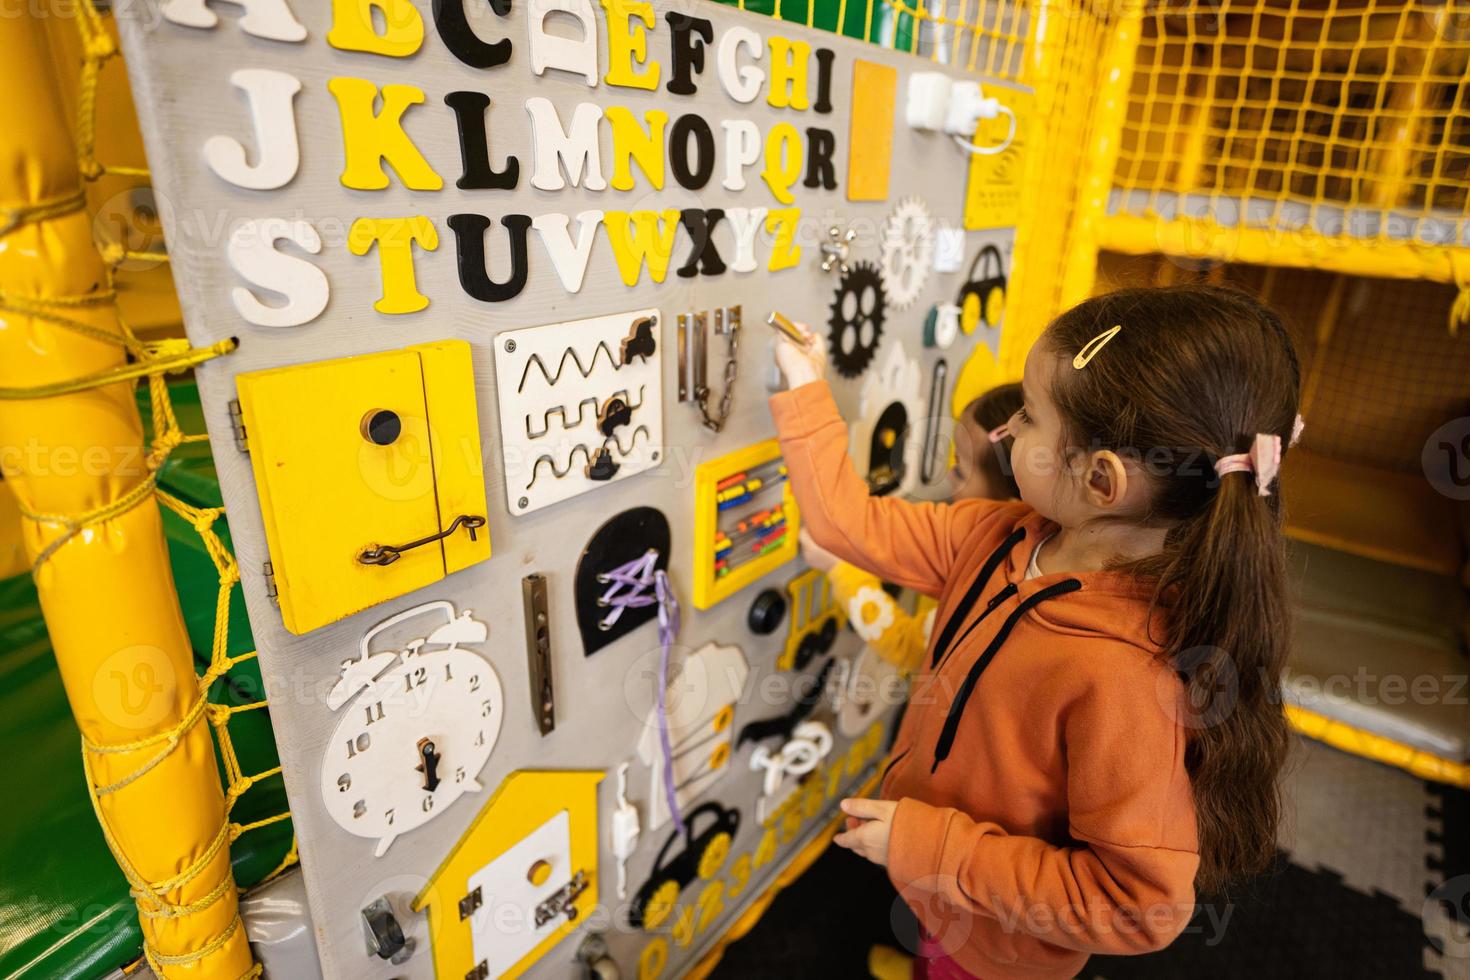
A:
{"points": [[1292, 924]]}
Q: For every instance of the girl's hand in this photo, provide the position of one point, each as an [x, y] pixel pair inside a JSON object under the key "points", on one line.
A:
{"points": [[801, 365], [868, 824], [815, 555]]}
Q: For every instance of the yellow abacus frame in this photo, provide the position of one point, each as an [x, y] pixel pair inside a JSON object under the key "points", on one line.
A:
{"points": [[708, 589]]}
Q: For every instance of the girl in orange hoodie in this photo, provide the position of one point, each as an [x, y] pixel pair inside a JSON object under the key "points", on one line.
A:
{"points": [[1095, 731]]}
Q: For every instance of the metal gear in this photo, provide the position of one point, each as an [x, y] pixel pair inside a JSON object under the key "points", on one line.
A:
{"points": [[906, 251], [857, 319]]}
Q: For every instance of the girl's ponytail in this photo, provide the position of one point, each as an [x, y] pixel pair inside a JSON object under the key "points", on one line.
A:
{"points": [[1225, 570], [1195, 373]]}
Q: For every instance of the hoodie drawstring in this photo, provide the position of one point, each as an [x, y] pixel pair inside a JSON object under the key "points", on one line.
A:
{"points": [[952, 720], [952, 625]]}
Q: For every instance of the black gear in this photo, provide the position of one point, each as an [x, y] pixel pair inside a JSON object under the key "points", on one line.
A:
{"points": [[857, 319]]}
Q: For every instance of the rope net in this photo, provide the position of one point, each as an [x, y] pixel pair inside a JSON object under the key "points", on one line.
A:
{"points": [[1327, 133], [152, 360]]}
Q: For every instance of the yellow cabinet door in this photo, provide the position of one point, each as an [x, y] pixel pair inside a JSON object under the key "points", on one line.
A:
{"points": [[363, 453]]}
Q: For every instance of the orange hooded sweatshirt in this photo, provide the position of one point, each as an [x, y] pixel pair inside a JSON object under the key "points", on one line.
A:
{"points": [[1044, 811]]}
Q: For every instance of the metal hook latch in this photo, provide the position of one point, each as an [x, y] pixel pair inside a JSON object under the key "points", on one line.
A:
{"points": [[387, 554]]}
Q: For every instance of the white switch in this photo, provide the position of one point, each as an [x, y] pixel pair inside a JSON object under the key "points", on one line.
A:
{"points": [[929, 99], [949, 249]]}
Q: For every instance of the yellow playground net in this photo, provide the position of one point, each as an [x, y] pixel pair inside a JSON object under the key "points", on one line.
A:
{"points": [[1331, 134]]}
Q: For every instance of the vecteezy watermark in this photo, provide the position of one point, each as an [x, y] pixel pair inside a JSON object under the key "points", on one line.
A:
{"points": [[1446, 459], [1446, 917], [945, 926], [137, 687]]}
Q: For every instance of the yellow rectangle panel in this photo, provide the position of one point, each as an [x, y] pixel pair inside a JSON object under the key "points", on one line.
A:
{"points": [[711, 587], [870, 135], [355, 454]]}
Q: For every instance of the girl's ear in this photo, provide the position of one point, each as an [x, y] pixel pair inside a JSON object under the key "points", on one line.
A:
{"points": [[1107, 480]]}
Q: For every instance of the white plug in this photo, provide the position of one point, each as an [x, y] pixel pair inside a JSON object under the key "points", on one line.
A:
{"points": [[967, 106]]}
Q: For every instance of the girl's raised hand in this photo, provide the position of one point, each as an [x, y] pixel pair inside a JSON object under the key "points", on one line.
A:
{"points": [[868, 825], [814, 554], [800, 365]]}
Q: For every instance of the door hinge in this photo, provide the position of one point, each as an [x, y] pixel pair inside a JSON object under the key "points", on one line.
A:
{"points": [[269, 571], [237, 425]]}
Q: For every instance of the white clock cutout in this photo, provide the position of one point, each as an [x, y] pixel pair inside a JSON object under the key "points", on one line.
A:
{"points": [[417, 729]]}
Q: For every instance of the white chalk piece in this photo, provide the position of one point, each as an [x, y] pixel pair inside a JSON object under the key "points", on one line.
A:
{"points": [[568, 258], [577, 55], [270, 19], [742, 149], [746, 223], [253, 255], [573, 149], [271, 94], [741, 82]]}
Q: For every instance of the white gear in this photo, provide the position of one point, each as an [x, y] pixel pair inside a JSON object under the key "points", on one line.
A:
{"points": [[906, 251]]}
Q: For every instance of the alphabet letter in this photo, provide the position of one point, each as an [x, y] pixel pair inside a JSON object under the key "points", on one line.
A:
{"points": [[370, 138], [270, 19], [474, 145], [395, 238], [469, 242], [455, 31], [271, 95], [353, 30], [252, 254], [575, 149], [687, 39], [742, 83], [569, 260]]}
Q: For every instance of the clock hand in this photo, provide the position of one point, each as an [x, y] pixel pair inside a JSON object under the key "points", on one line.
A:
{"points": [[429, 760]]}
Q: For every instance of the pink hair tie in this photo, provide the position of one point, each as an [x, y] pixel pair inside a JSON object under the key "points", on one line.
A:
{"points": [[1263, 459], [999, 432]]}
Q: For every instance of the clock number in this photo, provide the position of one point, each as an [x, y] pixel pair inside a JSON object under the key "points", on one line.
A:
{"points": [[484, 709], [358, 809], [474, 682], [344, 782], [428, 803], [448, 674], [359, 744], [416, 677], [480, 738], [374, 712], [459, 774], [389, 815]]}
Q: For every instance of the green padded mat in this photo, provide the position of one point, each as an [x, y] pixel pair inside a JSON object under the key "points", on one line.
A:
{"points": [[64, 906]]}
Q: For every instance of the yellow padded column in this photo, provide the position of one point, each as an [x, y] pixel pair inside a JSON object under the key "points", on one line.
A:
{"points": [[106, 589]]}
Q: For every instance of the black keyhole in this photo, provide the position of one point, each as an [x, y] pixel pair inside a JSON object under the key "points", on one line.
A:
{"points": [[381, 427]]}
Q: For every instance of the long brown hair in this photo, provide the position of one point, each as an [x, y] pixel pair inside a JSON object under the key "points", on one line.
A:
{"points": [[1193, 375], [990, 411]]}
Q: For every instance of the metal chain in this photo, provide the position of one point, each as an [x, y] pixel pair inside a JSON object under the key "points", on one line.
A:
{"points": [[701, 395]]}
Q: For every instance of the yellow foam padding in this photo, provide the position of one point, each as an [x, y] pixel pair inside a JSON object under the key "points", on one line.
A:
{"points": [[1380, 514], [1370, 746], [804, 859], [12, 551], [524, 801], [870, 134]]}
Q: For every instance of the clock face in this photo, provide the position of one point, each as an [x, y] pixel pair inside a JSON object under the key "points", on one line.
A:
{"points": [[412, 742]]}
